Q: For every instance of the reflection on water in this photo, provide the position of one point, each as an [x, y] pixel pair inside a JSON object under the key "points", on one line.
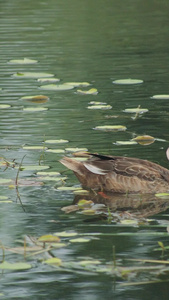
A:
{"points": [[125, 206], [82, 42]]}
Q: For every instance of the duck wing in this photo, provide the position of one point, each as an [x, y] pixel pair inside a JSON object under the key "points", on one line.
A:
{"points": [[126, 166]]}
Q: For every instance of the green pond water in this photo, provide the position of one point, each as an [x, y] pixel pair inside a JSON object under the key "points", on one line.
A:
{"points": [[81, 41]]}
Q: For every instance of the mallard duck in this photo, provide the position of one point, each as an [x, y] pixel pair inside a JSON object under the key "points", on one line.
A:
{"points": [[119, 174]]}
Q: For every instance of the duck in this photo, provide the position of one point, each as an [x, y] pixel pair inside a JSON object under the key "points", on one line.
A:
{"points": [[118, 174]]}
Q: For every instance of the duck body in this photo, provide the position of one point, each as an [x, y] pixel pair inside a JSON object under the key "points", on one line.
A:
{"points": [[119, 174]]}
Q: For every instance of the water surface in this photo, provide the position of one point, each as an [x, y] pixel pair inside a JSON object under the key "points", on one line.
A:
{"points": [[81, 41]]}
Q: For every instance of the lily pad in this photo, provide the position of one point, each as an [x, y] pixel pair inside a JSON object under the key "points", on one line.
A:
{"points": [[24, 61], [3, 106], [76, 84], [103, 107], [35, 109], [48, 173], [81, 192], [85, 263], [75, 149], [55, 150], [89, 92], [144, 139], [52, 178], [33, 168], [57, 87], [34, 148], [67, 188], [5, 181], [56, 141], [36, 98], [111, 128], [80, 240], [31, 75], [82, 204], [136, 110], [50, 80], [15, 266], [3, 197], [66, 234], [53, 261], [97, 103], [125, 143], [128, 81], [49, 238], [160, 97], [129, 222]]}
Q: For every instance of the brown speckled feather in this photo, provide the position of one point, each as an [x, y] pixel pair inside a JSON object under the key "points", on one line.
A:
{"points": [[120, 174]]}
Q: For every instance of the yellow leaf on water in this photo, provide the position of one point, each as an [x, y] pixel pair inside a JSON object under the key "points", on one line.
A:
{"points": [[14, 266], [89, 92], [128, 81], [49, 238], [85, 203], [111, 128], [53, 261], [66, 234], [144, 139], [80, 240]]}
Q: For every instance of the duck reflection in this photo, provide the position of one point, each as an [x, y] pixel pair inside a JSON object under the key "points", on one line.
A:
{"points": [[124, 206]]}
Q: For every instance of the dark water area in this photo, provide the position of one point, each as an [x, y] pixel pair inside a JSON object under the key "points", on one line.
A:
{"points": [[95, 42]]}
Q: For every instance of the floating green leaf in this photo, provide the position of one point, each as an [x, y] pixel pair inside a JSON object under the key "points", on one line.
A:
{"points": [[34, 148], [103, 107], [82, 204], [3, 197], [85, 263], [57, 87], [81, 192], [125, 143], [129, 222], [50, 80], [136, 110], [76, 84], [3, 106], [56, 141], [48, 173], [36, 98], [144, 139], [24, 61], [97, 103], [66, 234], [52, 178], [14, 266], [5, 180], [89, 92], [53, 261], [55, 150], [48, 238], [31, 75], [67, 188], [33, 168], [160, 97], [75, 149], [5, 201], [111, 128], [89, 212], [128, 81], [35, 109], [80, 240]]}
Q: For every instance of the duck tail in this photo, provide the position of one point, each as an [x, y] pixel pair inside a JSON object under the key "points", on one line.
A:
{"points": [[71, 164]]}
